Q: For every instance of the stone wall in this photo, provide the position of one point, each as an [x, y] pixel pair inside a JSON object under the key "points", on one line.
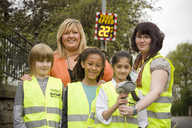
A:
{"points": [[7, 94]]}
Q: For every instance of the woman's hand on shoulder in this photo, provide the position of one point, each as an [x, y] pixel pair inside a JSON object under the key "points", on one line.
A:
{"points": [[101, 82], [26, 77]]}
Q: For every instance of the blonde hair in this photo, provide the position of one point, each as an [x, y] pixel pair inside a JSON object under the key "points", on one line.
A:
{"points": [[67, 24], [39, 52]]}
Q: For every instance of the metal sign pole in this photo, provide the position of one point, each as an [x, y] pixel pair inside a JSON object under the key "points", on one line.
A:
{"points": [[103, 43], [103, 6]]}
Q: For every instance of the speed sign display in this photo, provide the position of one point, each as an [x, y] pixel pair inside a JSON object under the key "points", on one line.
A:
{"points": [[106, 26]]}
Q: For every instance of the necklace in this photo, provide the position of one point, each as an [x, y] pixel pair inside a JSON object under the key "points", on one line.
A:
{"points": [[71, 61]]}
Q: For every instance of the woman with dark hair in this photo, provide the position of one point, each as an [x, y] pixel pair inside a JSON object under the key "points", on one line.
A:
{"points": [[153, 75]]}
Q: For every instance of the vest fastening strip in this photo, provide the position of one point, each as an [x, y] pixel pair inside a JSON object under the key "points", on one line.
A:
{"points": [[92, 115]]}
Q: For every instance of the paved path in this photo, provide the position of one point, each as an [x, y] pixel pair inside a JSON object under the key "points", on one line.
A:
{"points": [[183, 121]]}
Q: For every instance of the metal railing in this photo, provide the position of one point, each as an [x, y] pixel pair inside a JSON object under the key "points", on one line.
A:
{"points": [[14, 50]]}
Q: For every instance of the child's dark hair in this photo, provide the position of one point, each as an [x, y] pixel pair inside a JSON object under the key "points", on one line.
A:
{"points": [[78, 71], [115, 59], [121, 54]]}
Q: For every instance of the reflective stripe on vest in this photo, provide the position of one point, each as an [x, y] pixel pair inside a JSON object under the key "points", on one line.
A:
{"points": [[159, 110], [37, 109], [132, 120], [159, 115], [40, 109], [163, 100], [40, 123], [77, 117], [120, 119]]}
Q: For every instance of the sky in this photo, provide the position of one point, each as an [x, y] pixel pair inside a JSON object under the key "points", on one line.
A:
{"points": [[175, 21]]}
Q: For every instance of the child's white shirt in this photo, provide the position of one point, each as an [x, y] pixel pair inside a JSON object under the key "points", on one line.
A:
{"points": [[102, 105]]}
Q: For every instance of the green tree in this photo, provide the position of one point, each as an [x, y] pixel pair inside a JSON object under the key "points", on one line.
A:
{"points": [[129, 13], [41, 19], [182, 60], [38, 20]]}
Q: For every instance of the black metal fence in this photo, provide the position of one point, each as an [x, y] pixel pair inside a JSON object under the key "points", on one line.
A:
{"points": [[14, 50]]}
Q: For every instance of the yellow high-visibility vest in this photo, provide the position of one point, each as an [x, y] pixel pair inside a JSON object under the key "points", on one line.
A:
{"points": [[118, 121], [43, 111], [78, 106], [159, 111]]}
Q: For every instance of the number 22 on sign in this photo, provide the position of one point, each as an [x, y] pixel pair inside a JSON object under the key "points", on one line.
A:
{"points": [[104, 31]]}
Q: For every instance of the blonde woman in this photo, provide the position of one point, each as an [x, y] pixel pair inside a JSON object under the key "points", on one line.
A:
{"points": [[71, 41]]}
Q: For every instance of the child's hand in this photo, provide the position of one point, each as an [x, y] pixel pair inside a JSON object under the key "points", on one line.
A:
{"points": [[26, 77], [122, 99], [123, 95], [126, 110]]}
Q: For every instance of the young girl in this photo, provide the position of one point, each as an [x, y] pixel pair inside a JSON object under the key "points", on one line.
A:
{"points": [[38, 103], [108, 100], [80, 95]]}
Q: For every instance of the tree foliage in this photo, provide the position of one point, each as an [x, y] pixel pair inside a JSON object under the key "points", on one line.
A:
{"points": [[40, 19], [182, 60]]}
